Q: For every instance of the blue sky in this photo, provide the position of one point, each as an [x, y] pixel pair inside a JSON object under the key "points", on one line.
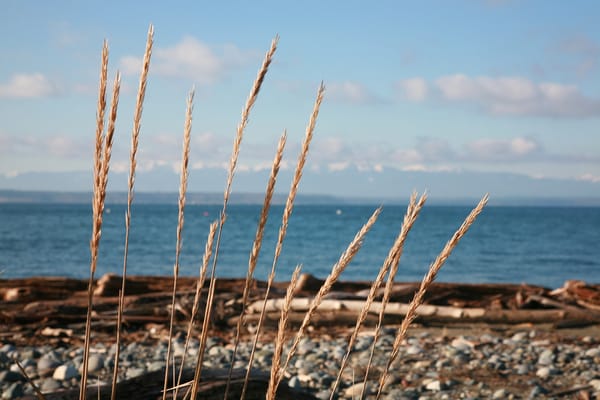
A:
{"points": [[473, 85]]}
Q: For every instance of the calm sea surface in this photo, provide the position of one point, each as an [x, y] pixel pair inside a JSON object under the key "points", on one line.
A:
{"points": [[538, 245]]}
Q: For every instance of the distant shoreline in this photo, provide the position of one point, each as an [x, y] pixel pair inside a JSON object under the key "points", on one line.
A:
{"points": [[214, 198]]}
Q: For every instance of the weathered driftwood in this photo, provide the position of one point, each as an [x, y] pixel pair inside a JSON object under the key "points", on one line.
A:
{"points": [[149, 386], [348, 310], [29, 305]]}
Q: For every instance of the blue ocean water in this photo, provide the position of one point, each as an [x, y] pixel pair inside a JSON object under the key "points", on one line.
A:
{"points": [[536, 245]]}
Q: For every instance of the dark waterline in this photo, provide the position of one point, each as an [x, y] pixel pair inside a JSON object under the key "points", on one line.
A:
{"points": [[536, 245]]}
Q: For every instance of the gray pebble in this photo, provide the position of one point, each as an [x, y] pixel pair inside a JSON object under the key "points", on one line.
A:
{"points": [[414, 350], [593, 352], [49, 385], [294, 382], [95, 363], [65, 372], [547, 357]]}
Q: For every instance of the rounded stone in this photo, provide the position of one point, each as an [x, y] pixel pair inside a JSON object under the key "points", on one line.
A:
{"points": [[522, 369], [49, 385], [294, 383], [543, 372], [547, 357], [434, 386], [461, 344], [414, 350], [593, 352], [47, 364], [95, 363], [65, 372], [306, 346]]}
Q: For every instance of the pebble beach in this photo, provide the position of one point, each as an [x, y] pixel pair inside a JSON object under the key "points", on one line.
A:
{"points": [[519, 364]]}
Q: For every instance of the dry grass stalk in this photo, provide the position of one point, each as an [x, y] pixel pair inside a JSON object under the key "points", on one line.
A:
{"points": [[102, 162], [256, 246], [182, 193], [383, 271], [262, 72], [231, 172], [425, 283], [280, 340], [203, 336], [335, 273], [38, 392], [246, 112], [132, 166], [412, 212], [100, 113], [196, 305], [287, 212]]}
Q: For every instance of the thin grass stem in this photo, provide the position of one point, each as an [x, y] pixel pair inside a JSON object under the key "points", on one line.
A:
{"points": [[103, 153], [232, 166], [131, 181], [196, 305], [255, 251], [280, 340], [180, 220]]}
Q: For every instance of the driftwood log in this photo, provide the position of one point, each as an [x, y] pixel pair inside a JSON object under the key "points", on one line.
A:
{"points": [[55, 308]]}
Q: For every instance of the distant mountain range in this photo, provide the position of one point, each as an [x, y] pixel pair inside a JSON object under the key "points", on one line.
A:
{"points": [[317, 187]]}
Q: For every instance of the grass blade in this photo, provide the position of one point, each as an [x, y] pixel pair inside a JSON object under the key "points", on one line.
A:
{"points": [[132, 165], [182, 193]]}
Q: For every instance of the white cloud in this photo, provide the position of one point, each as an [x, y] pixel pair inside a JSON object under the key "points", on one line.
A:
{"points": [[505, 95], [589, 178], [518, 96], [192, 59], [502, 149], [350, 92], [28, 86], [414, 168], [414, 89], [24, 148], [338, 166]]}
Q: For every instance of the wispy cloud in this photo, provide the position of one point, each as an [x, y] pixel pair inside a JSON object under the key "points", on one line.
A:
{"points": [[24, 85], [580, 52], [351, 92], [518, 148], [414, 89], [328, 154], [193, 59], [515, 96], [589, 178], [61, 146]]}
